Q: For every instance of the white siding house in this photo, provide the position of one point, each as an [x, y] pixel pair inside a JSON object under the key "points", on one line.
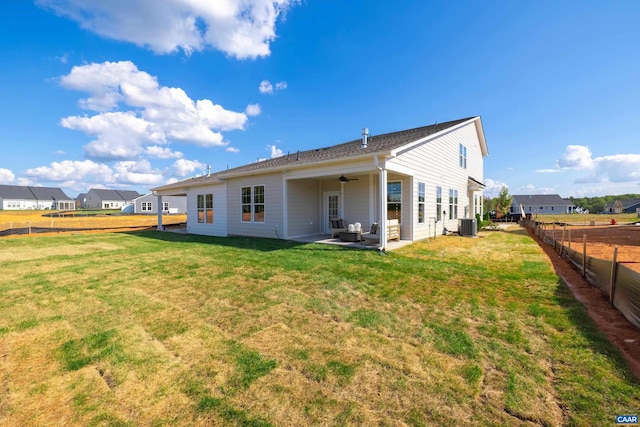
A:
{"points": [[148, 204], [17, 197], [539, 204], [98, 198], [427, 178]]}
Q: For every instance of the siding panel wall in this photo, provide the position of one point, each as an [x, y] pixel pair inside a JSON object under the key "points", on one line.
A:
{"points": [[219, 226], [303, 206], [273, 201], [437, 163]]}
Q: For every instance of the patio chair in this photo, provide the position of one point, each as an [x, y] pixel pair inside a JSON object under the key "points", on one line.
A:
{"points": [[372, 237], [337, 225]]}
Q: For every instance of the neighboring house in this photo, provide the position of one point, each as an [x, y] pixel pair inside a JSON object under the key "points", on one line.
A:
{"points": [[148, 204], [539, 204], [623, 206], [81, 201], [17, 197], [98, 198], [426, 178]]}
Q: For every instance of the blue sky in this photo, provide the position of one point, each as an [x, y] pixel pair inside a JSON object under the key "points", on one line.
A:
{"points": [[135, 94]]}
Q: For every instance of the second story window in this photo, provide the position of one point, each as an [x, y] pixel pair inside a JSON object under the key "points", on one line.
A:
{"points": [[463, 156]]}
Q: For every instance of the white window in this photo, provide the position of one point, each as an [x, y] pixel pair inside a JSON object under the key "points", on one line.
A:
{"points": [[438, 203], [208, 208], [147, 206], [463, 156], [200, 207], [394, 200], [253, 203], [204, 208], [165, 206], [421, 196], [453, 204]]}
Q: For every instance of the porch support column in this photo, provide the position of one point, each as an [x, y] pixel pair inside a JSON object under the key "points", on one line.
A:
{"points": [[383, 209], [372, 199], [342, 199], [159, 207], [285, 207]]}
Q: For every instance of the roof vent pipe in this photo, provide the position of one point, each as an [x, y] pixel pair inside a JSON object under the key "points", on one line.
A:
{"points": [[365, 134]]}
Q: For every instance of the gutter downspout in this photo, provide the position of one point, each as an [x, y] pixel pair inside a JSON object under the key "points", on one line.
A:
{"points": [[383, 201]]}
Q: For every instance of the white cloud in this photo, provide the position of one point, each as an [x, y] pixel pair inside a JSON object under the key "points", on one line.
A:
{"points": [[493, 187], [6, 176], [82, 175], [120, 135], [136, 173], [162, 153], [185, 167], [576, 157], [266, 86], [532, 189], [617, 168], [275, 151], [240, 28], [548, 170], [253, 110], [67, 170], [149, 114], [232, 150]]}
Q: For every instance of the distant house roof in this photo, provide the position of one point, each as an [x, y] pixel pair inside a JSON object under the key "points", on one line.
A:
{"points": [[126, 195], [384, 143], [81, 197], [624, 203], [540, 199], [18, 192]]}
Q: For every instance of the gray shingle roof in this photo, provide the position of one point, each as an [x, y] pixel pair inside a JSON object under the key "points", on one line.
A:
{"points": [[18, 192], [48, 193], [105, 194], [541, 199], [376, 144], [626, 203]]}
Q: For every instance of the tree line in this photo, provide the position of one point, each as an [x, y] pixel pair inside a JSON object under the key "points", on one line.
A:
{"points": [[502, 202], [597, 204]]}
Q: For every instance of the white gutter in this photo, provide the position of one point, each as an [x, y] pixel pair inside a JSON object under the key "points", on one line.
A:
{"points": [[382, 228]]}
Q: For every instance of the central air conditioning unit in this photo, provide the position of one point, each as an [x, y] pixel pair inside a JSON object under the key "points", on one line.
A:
{"points": [[468, 227]]}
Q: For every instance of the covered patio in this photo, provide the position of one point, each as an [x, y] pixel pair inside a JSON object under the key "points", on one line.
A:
{"points": [[328, 240], [356, 195]]}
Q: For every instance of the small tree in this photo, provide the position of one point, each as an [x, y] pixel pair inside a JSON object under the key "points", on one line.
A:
{"points": [[503, 204]]}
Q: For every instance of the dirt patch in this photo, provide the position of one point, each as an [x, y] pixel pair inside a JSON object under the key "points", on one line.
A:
{"points": [[620, 332], [601, 241]]}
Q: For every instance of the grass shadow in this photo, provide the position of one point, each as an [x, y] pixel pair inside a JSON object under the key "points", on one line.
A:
{"points": [[261, 244]]}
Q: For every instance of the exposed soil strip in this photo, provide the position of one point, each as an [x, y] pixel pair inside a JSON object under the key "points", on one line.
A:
{"points": [[620, 332]]}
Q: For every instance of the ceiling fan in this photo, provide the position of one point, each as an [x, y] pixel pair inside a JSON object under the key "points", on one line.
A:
{"points": [[345, 179]]}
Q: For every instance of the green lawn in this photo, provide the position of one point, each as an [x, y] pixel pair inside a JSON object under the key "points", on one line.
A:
{"points": [[152, 328]]}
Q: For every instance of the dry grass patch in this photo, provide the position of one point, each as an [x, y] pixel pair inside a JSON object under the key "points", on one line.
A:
{"points": [[162, 329]]}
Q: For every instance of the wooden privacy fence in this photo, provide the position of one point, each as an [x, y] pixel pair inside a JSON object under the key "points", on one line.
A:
{"points": [[616, 280]]}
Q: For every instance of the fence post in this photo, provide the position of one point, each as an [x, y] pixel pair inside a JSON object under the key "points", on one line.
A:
{"points": [[562, 240], [614, 269], [554, 235], [569, 238], [584, 255]]}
